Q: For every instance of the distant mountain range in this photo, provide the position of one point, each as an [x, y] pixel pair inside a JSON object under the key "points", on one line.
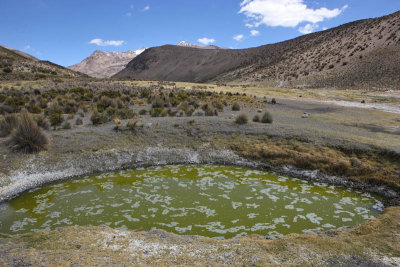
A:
{"points": [[364, 53], [186, 44], [105, 64]]}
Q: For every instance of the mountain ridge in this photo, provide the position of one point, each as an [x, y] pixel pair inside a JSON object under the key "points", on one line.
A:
{"points": [[187, 44], [360, 53]]}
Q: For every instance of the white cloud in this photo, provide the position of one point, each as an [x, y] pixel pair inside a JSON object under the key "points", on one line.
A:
{"points": [[27, 47], [128, 14], [286, 13], [254, 32], [101, 42], [132, 6], [206, 40], [324, 28], [146, 8], [238, 37], [309, 28]]}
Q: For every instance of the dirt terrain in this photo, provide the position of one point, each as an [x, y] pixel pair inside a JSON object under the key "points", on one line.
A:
{"points": [[347, 146]]}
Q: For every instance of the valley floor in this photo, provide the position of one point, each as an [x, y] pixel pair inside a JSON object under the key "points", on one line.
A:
{"points": [[349, 146]]}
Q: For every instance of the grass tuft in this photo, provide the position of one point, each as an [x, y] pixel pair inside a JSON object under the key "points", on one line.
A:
{"points": [[28, 137], [7, 125], [267, 118], [241, 119]]}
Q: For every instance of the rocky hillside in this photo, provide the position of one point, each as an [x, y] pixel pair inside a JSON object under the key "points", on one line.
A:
{"points": [[17, 65], [363, 53], [105, 64]]}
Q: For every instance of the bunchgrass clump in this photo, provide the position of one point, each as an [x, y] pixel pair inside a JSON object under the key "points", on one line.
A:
{"points": [[42, 122], [267, 118], [55, 114], [98, 118], [236, 106], [132, 125], [256, 118], [241, 119], [7, 125], [66, 125], [78, 121], [28, 136]]}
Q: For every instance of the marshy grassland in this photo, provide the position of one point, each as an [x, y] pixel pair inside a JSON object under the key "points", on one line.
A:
{"points": [[98, 126]]}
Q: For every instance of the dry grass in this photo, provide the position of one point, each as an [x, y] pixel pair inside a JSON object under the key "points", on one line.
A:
{"points": [[28, 137], [241, 119], [267, 118], [9, 123], [370, 167]]}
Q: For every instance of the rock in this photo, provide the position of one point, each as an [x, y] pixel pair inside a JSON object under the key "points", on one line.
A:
{"points": [[306, 115]]}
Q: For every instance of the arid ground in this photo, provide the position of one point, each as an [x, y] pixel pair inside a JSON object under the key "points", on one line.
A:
{"points": [[319, 135]]}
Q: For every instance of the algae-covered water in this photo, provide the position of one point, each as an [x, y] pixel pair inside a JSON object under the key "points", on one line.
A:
{"points": [[205, 200]]}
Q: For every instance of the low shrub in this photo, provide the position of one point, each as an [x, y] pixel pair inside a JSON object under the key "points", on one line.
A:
{"points": [[209, 112], [56, 119], [103, 103], [34, 109], [143, 112], [235, 106], [218, 105], [54, 112], [256, 118], [7, 125], [125, 113], [70, 106], [241, 119], [7, 70], [4, 109], [156, 112], [78, 121], [66, 125], [132, 125], [28, 137], [158, 103], [15, 102], [42, 122], [267, 118], [98, 118]]}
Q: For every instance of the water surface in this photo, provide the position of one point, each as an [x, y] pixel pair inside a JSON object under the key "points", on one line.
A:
{"points": [[205, 200]]}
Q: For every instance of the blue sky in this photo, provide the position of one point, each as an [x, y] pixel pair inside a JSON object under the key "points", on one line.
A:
{"points": [[65, 32]]}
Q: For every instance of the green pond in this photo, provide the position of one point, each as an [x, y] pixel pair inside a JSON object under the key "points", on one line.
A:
{"points": [[204, 200]]}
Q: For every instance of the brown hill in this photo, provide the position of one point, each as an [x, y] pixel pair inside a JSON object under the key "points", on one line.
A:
{"points": [[361, 54], [17, 65]]}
